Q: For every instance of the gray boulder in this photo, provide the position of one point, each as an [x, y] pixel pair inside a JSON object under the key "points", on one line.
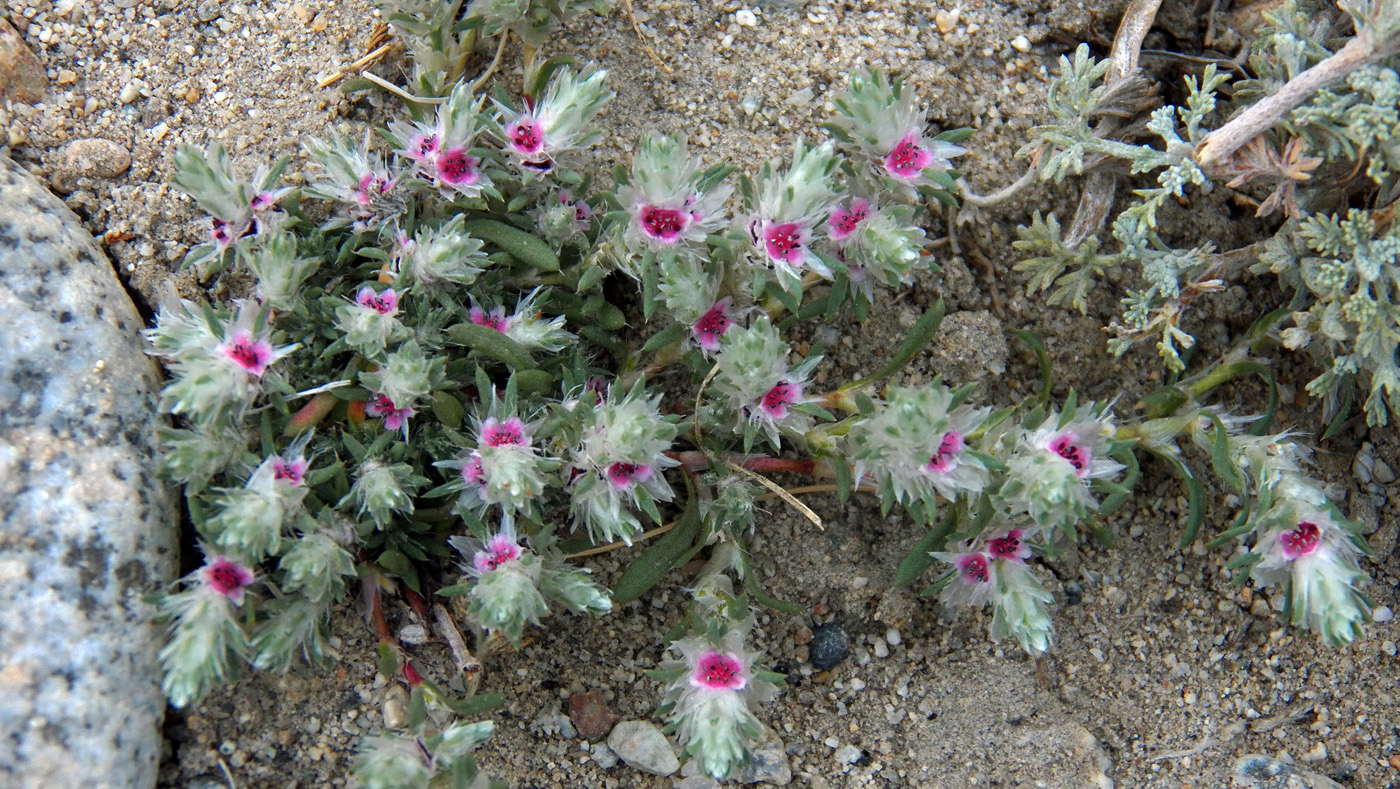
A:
{"points": [[86, 529]]}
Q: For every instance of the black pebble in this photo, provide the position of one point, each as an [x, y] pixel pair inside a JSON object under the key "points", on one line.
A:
{"points": [[829, 646], [1074, 593]]}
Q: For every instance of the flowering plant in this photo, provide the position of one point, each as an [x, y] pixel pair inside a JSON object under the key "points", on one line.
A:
{"points": [[459, 381]]}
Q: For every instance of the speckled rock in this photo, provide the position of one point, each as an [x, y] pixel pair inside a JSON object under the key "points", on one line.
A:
{"points": [[87, 528]]}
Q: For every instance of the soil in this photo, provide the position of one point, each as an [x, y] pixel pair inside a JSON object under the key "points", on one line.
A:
{"points": [[1163, 672]]}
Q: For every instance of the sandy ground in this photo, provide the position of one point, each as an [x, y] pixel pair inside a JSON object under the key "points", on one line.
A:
{"points": [[1163, 673]]}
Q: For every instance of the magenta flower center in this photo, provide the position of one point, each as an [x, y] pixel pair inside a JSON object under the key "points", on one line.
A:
{"points": [[291, 473], [499, 550], [262, 201], [496, 318], [421, 146], [472, 472], [845, 221], [784, 243], [945, 458], [382, 303], [526, 135], [782, 395], [1301, 541], [663, 224], [1077, 454], [509, 432], [908, 159], [1008, 547], [253, 356], [394, 417], [625, 475], [973, 568], [712, 326], [720, 671], [454, 166], [227, 578]]}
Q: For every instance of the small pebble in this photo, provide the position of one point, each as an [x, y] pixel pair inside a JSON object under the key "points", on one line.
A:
{"points": [[745, 18], [644, 747], [881, 651], [89, 158], [1382, 472], [829, 646], [892, 636], [1383, 614], [1317, 754], [603, 756], [847, 754], [395, 708], [1389, 648], [1021, 44], [768, 764], [946, 21]]}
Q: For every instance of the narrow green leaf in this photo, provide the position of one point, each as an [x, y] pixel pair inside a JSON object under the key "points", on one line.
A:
{"points": [[492, 343], [521, 245], [1222, 463], [648, 569], [1037, 344], [668, 336], [920, 558]]}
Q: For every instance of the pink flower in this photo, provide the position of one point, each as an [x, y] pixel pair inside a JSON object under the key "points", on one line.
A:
{"points": [[500, 549], [663, 224], [227, 578], [292, 472], [262, 200], [1068, 446], [946, 458], [508, 432], [783, 394], [526, 135], [908, 159], [785, 243], [455, 167], [394, 417], [1010, 546], [223, 234], [371, 185], [385, 303], [844, 221], [472, 473], [1301, 541], [972, 569], [253, 356], [624, 475], [712, 326], [421, 147], [719, 671], [582, 212], [496, 318]]}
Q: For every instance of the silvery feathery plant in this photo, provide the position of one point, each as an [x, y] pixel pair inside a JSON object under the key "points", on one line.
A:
{"points": [[425, 397], [1312, 133]]}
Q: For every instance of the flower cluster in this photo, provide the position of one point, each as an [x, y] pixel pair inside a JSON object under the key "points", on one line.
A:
{"points": [[617, 466], [510, 584], [995, 571], [763, 392], [917, 448], [1301, 541], [218, 360], [712, 678]]}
